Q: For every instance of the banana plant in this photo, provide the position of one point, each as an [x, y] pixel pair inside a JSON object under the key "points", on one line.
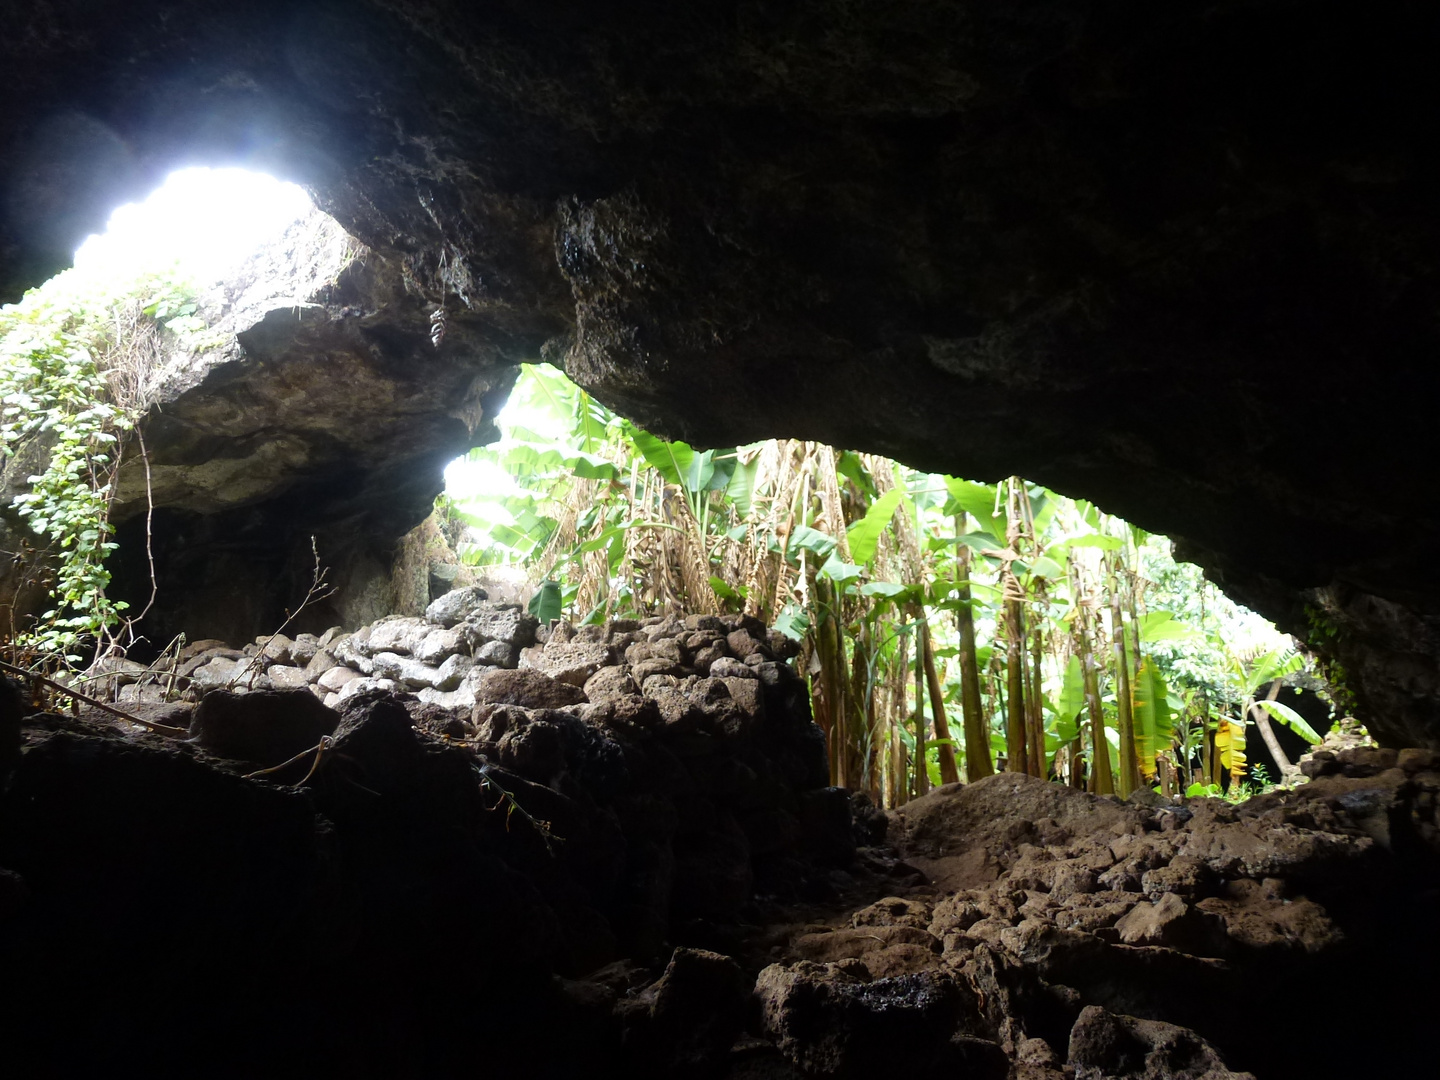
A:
{"points": [[1267, 671], [851, 556]]}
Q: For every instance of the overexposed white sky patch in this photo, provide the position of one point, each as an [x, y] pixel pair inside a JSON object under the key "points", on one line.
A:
{"points": [[206, 219], [466, 479], [526, 409]]}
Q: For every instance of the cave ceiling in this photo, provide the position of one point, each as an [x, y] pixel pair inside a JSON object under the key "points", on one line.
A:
{"points": [[1177, 258]]}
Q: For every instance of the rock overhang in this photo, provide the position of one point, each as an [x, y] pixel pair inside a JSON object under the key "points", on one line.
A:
{"points": [[1164, 260]]}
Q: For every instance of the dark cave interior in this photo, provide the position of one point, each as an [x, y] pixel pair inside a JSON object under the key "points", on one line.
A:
{"points": [[947, 232]]}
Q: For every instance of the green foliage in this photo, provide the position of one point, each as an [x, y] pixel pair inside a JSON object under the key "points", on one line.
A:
{"points": [[865, 534], [980, 502], [606, 509], [571, 486], [545, 605], [1237, 793], [1323, 636], [1152, 715], [1066, 711], [64, 350], [558, 443]]}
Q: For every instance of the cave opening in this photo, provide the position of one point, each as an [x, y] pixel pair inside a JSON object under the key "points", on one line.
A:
{"points": [[201, 220], [589, 518], [202, 223], [94, 353], [1160, 256]]}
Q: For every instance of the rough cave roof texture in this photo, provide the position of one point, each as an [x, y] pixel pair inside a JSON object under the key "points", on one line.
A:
{"points": [[1178, 258]]}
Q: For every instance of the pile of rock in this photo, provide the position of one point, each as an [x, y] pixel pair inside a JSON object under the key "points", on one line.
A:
{"points": [[583, 795], [443, 658], [1046, 920], [440, 657], [674, 757]]}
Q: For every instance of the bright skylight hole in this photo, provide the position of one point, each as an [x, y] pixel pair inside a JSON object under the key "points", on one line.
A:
{"points": [[206, 220]]}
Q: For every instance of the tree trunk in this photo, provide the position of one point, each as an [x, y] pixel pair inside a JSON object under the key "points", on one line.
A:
{"points": [[861, 749], [922, 778], [898, 776], [1035, 751], [949, 773], [831, 706], [1015, 687], [1288, 771], [1129, 778], [1211, 755], [1017, 721], [1102, 782], [977, 731], [1167, 774]]}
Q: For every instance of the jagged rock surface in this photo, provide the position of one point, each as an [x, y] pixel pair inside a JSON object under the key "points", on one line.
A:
{"points": [[1103, 935], [581, 827], [320, 433], [655, 867]]}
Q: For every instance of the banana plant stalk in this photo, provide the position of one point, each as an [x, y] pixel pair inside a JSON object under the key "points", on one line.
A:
{"points": [[897, 775], [1289, 772], [1014, 683], [949, 773], [1129, 777], [861, 747], [1035, 727], [977, 730], [922, 778], [1074, 761], [1207, 746], [1017, 722], [1102, 781], [830, 705]]}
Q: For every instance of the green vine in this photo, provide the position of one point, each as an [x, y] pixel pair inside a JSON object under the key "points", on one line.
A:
{"points": [[76, 358], [1323, 639]]}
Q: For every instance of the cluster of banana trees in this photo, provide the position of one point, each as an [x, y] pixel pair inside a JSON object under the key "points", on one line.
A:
{"points": [[948, 628]]}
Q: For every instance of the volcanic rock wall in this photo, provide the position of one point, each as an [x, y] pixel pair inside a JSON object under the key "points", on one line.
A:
{"points": [[706, 710], [320, 434], [1039, 932]]}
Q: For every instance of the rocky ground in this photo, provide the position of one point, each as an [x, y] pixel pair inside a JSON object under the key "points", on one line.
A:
{"points": [[459, 843], [1085, 936]]}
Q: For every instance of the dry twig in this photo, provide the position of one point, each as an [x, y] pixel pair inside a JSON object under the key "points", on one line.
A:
{"points": [[319, 590], [162, 729]]}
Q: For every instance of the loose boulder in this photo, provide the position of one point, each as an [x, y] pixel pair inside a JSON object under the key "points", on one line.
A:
{"points": [[265, 727]]}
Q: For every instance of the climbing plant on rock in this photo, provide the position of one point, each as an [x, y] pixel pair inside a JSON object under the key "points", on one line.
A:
{"points": [[77, 359]]}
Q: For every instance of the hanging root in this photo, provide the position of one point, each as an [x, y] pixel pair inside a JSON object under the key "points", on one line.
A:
{"points": [[542, 828], [318, 750], [320, 588]]}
